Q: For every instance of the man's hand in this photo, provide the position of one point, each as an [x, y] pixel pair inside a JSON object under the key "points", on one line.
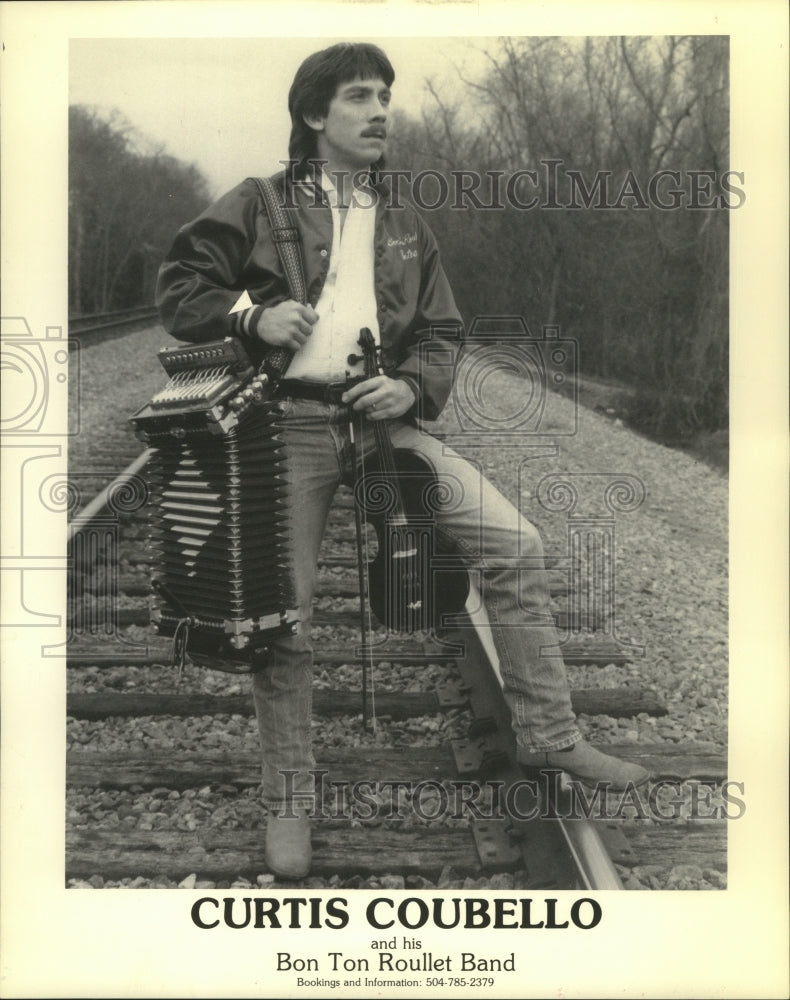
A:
{"points": [[381, 397], [287, 325]]}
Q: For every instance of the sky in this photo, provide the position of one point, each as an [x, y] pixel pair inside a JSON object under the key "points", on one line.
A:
{"points": [[221, 103]]}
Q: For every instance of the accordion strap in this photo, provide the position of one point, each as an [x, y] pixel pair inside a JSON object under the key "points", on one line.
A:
{"points": [[285, 236], [286, 239]]}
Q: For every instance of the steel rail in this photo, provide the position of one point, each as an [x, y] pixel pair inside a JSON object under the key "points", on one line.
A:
{"points": [[101, 322], [84, 517], [594, 868]]}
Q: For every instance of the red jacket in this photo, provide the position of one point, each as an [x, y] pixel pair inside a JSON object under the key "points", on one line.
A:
{"points": [[228, 249]]}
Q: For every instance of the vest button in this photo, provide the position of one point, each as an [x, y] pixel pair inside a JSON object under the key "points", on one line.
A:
{"points": [[324, 253]]}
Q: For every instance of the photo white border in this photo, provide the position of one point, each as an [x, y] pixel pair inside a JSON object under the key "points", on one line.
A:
{"points": [[142, 944]]}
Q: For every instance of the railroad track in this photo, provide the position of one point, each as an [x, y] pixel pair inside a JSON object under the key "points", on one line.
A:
{"points": [[557, 853], [148, 805], [119, 320]]}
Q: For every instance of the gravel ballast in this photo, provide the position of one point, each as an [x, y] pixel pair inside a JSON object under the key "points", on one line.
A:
{"points": [[670, 598]]}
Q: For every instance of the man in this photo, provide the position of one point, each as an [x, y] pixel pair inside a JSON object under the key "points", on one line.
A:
{"points": [[369, 262]]}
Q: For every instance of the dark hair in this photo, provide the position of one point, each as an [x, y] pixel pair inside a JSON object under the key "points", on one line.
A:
{"points": [[316, 83]]}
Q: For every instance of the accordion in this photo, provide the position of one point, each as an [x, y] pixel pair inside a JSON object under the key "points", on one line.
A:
{"points": [[217, 510]]}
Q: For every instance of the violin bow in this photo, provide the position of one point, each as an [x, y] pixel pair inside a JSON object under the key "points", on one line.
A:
{"points": [[365, 624]]}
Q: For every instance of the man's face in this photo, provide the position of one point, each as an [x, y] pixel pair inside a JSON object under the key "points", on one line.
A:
{"points": [[353, 133]]}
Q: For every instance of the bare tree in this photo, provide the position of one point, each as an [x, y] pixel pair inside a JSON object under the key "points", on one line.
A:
{"points": [[626, 258], [126, 202]]}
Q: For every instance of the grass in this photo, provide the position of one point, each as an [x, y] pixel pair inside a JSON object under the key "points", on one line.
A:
{"points": [[712, 448], [614, 400]]}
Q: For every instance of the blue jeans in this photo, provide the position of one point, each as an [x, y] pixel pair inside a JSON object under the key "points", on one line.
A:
{"points": [[490, 535]]}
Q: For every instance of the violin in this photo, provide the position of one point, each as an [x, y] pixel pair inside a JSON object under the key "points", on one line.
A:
{"points": [[412, 582]]}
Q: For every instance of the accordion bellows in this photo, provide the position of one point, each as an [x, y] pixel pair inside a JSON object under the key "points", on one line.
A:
{"points": [[218, 515]]}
